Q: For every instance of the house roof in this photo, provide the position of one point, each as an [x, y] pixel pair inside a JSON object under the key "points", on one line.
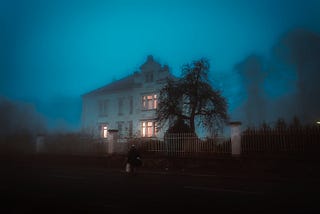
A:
{"points": [[131, 81], [126, 83]]}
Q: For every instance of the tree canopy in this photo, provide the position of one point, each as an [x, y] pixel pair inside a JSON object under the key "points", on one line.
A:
{"points": [[192, 99]]}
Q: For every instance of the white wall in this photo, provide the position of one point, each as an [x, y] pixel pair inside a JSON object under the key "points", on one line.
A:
{"points": [[90, 114]]}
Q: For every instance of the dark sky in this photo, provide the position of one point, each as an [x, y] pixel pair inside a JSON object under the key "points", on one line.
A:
{"points": [[54, 51]]}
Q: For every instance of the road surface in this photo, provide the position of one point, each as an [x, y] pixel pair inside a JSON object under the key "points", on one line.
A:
{"points": [[49, 188]]}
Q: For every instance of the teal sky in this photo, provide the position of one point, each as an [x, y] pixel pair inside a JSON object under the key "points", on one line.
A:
{"points": [[54, 51]]}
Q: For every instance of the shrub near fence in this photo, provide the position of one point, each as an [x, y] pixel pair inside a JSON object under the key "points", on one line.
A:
{"points": [[281, 141]]}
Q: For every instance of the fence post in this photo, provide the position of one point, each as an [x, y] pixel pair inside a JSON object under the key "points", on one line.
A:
{"points": [[40, 144], [112, 139], [235, 138]]}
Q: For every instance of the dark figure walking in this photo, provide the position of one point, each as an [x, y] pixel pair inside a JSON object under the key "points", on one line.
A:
{"points": [[133, 160]]}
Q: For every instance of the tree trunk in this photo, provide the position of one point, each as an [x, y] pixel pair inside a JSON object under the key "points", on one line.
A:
{"points": [[192, 126]]}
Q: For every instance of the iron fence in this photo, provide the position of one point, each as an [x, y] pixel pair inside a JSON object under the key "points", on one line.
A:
{"points": [[253, 142], [186, 145], [277, 141]]}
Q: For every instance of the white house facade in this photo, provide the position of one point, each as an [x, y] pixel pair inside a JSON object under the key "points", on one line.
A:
{"points": [[127, 105]]}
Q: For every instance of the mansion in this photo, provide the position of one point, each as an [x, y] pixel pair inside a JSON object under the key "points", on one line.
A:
{"points": [[127, 105]]}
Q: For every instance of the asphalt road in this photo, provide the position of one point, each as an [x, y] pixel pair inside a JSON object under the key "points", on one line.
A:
{"points": [[43, 188]]}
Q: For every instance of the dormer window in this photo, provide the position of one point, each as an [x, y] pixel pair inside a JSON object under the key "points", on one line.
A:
{"points": [[149, 77]]}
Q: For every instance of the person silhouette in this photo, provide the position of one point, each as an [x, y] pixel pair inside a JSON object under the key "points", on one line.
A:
{"points": [[133, 159]]}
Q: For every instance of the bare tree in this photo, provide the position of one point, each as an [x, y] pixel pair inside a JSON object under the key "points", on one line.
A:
{"points": [[192, 99]]}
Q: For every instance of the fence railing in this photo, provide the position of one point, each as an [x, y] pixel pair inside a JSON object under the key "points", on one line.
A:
{"points": [[275, 141], [186, 145], [253, 142]]}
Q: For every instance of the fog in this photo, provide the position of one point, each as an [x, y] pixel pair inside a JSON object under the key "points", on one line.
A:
{"points": [[263, 54], [20, 118], [284, 84]]}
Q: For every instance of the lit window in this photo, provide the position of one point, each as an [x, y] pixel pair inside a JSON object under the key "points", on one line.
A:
{"points": [[155, 101], [149, 102], [148, 129], [104, 131]]}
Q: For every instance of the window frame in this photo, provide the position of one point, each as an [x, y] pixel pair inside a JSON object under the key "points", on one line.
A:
{"points": [[148, 128], [130, 128], [120, 106], [121, 128], [131, 105], [149, 77], [149, 101], [103, 106]]}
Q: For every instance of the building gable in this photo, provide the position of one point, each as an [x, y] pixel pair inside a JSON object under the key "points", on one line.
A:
{"points": [[128, 104]]}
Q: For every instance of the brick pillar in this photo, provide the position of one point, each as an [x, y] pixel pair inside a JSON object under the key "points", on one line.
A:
{"points": [[235, 138]]}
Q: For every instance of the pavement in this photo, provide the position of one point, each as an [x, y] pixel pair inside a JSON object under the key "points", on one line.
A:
{"points": [[66, 184], [223, 166]]}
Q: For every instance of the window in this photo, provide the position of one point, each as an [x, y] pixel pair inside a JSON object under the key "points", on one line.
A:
{"points": [[120, 128], [149, 102], [103, 107], [131, 105], [130, 128], [149, 77], [120, 106], [148, 129], [104, 131]]}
